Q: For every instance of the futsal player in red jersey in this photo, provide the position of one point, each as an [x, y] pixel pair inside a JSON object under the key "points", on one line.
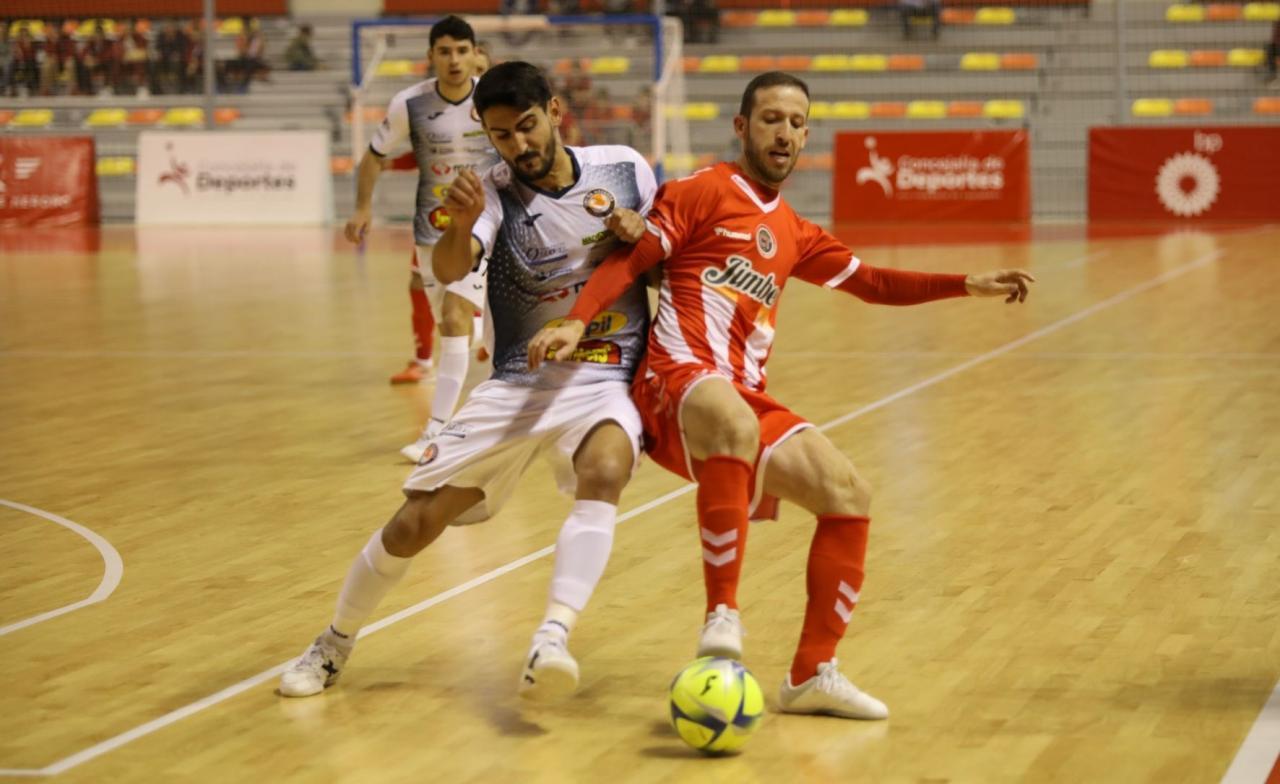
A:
{"points": [[727, 243]]}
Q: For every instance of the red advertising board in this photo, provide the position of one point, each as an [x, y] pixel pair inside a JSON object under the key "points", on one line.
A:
{"points": [[1184, 173], [908, 176], [47, 181]]}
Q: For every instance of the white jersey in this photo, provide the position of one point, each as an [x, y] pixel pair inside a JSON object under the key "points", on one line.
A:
{"points": [[543, 246], [446, 138]]}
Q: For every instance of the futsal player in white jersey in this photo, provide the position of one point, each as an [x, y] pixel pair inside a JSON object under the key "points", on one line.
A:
{"points": [[545, 217], [437, 118]]}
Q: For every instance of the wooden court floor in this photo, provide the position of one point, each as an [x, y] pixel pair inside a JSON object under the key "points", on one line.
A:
{"points": [[1072, 574]]}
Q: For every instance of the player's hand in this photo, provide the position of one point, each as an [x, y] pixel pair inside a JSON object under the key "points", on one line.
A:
{"points": [[1013, 284], [626, 225], [464, 200], [358, 226], [556, 343]]}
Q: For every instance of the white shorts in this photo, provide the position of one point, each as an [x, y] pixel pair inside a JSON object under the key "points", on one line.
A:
{"points": [[496, 435], [471, 288]]}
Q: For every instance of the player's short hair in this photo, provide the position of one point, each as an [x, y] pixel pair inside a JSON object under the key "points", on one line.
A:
{"points": [[453, 26], [515, 83], [768, 79]]}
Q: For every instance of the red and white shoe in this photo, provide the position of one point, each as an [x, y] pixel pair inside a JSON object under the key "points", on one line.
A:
{"points": [[413, 372]]}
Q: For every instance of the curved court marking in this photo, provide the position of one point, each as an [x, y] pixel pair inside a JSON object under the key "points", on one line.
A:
{"points": [[110, 577], [113, 743]]}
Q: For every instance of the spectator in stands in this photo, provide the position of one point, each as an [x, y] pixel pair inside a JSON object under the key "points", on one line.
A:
{"points": [[564, 7], [251, 50], [483, 60], [617, 32], [6, 57], [299, 55], [193, 58], [642, 108], [1273, 51], [701, 19], [25, 71], [577, 86], [61, 66], [928, 10], [100, 62], [168, 66], [135, 63]]}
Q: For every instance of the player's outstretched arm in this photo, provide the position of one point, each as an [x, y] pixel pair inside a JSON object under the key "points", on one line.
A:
{"points": [[1012, 284], [456, 252], [371, 166]]}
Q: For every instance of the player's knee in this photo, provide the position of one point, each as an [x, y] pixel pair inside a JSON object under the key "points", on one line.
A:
{"points": [[456, 322], [739, 436], [412, 527], [849, 493], [604, 476]]}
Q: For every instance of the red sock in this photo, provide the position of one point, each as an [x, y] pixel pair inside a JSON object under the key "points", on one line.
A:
{"points": [[424, 324], [724, 494], [834, 579]]}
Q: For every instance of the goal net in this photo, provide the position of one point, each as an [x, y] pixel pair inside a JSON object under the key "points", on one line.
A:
{"points": [[621, 79]]}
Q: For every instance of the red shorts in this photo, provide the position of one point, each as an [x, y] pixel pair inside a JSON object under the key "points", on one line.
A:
{"points": [[659, 397]]}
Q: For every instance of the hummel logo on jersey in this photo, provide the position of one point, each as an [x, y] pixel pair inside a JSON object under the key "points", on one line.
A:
{"points": [[733, 235], [434, 115], [741, 276]]}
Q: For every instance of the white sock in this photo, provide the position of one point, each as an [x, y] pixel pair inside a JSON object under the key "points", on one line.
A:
{"points": [[454, 355], [374, 572], [558, 621], [582, 551]]}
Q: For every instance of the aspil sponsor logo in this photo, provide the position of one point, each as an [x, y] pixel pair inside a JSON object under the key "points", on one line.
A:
{"points": [[739, 275], [24, 169], [607, 323]]}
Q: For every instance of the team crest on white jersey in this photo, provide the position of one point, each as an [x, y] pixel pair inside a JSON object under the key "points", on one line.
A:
{"points": [[599, 202], [739, 275], [765, 242]]}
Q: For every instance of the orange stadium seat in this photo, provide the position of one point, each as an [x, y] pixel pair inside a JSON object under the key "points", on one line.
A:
{"points": [[1019, 61], [226, 115], [813, 18], [758, 63], [889, 109], [1208, 58], [964, 109], [794, 62], [906, 62], [1266, 105], [1193, 106], [738, 19], [1221, 12], [5, 116], [145, 116], [691, 64], [341, 164], [958, 16]]}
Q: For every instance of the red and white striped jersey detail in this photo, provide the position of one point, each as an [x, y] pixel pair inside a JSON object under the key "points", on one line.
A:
{"points": [[730, 246]]}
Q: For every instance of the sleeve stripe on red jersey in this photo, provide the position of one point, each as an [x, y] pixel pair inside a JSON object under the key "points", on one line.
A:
{"points": [[845, 273], [657, 231]]}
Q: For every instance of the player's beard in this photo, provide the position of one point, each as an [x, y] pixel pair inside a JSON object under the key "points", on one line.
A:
{"points": [[759, 160], [548, 154]]}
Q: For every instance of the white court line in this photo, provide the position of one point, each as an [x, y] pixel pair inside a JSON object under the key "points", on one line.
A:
{"points": [[116, 742], [1258, 754], [113, 571], [1127, 356]]}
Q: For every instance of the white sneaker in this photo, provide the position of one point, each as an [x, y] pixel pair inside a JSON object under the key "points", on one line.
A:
{"points": [[831, 693], [550, 672], [414, 452], [721, 634], [317, 668]]}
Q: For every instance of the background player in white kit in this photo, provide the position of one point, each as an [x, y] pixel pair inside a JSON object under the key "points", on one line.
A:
{"points": [[438, 119], [545, 217]]}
